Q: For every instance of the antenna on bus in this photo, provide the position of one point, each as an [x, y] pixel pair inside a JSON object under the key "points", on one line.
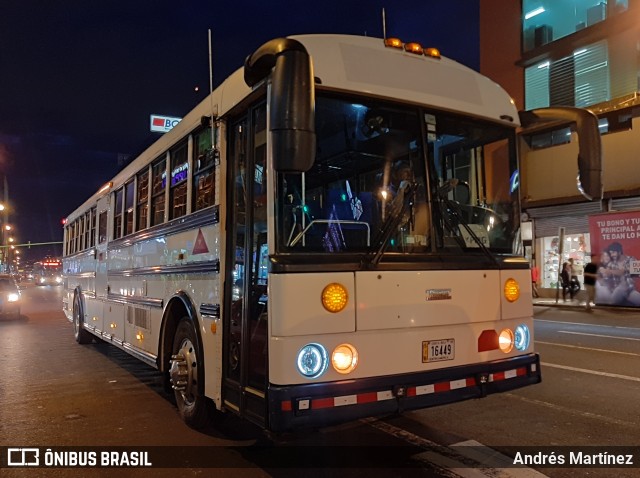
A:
{"points": [[384, 25], [211, 83], [214, 149]]}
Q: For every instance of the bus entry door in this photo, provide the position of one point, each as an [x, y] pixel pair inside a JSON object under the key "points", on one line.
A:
{"points": [[245, 321]]}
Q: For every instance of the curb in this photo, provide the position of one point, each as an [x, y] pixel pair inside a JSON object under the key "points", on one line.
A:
{"points": [[579, 306]]}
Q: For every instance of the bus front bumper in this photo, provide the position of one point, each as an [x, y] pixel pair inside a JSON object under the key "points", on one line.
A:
{"points": [[323, 404]]}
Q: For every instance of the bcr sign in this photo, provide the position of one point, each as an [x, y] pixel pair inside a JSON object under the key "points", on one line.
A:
{"points": [[162, 124]]}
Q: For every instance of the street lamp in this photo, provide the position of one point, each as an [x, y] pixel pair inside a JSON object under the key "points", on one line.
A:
{"points": [[3, 254]]}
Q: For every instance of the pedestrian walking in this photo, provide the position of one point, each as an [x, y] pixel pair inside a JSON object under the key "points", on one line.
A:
{"points": [[565, 281], [590, 277], [535, 277]]}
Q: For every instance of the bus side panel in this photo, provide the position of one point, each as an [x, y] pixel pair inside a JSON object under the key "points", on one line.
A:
{"points": [[94, 314]]}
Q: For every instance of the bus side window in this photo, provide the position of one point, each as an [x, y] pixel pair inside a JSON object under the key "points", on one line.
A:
{"points": [[102, 227]]}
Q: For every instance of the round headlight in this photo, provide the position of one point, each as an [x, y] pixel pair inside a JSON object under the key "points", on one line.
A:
{"points": [[334, 297], [13, 297], [511, 290], [522, 337], [344, 358], [312, 360], [505, 340]]}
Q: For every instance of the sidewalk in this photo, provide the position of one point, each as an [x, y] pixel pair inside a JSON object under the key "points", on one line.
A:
{"points": [[577, 304]]}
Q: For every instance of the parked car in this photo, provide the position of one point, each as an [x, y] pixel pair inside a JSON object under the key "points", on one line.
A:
{"points": [[9, 297]]}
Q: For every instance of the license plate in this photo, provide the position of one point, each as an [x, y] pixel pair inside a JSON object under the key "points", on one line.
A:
{"points": [[438, 350]]}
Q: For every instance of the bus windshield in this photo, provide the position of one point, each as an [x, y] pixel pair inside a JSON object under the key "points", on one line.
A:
{"points": [[392, 178]]}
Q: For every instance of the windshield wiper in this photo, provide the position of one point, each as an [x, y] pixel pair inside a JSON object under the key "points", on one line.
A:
{"points": [[452, 208], [397, 209]]}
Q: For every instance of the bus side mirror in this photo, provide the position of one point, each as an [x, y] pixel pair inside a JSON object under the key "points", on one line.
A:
{"points": [[589, 180], [292, 101]]}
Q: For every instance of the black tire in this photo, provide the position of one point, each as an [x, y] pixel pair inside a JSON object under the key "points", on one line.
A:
{"points": [[187, 377], [81, 335]]}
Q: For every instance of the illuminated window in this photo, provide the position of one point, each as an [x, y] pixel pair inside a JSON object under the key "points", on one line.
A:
{"points": [[203, 171], [93, 228], [143, 200], [158, 185], [102, 227], [581, 79], [117, 214], [129, 194], [544, 21], [179, 175]]}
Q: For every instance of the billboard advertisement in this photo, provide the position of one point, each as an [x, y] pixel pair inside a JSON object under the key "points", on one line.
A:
{"points": [[615, 247]]}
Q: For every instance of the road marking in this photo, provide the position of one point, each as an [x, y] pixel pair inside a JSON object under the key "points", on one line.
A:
{"points": [[483, 454], [452, 459], [586, 323], [587, 348], [592, 372], [573, 411], [597, 335]]}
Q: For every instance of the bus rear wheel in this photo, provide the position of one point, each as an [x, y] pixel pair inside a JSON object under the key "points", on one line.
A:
{"points": [[185, 374]]}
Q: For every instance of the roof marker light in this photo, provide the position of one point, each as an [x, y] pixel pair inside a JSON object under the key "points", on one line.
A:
{"points": [[413, 48], [393, 42], [432, 52]]}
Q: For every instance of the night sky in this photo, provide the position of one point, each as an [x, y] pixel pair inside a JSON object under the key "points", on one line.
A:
{"points": [[79, 79]]}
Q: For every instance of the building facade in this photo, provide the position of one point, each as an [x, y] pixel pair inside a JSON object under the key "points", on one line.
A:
{"points": [[583, 53]]}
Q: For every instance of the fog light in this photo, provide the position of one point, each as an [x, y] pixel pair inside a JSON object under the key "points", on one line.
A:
{"points": [[522, 337], [344, 358], [505, 340], [312, 360]]}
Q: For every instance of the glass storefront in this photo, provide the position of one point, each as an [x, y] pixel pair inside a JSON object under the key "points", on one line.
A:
{"points": [[576, 247]]}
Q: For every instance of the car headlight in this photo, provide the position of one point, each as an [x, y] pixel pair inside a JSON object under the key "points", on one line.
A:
{"points": [[522, 338], [344, 358], [312, 360], [13, 297], [505, 340]]}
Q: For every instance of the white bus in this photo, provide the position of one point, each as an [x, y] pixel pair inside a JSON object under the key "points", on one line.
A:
{"points": [[332, 234], [48, 271]]}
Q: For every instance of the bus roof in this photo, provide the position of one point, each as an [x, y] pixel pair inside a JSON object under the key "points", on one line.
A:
{"points": [[357, 64]]}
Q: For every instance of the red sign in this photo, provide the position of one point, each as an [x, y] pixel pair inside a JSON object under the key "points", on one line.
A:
{"points": [[200, 246], [615, 246]]}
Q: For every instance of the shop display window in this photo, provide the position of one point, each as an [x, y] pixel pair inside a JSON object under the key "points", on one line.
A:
{"points": [[575, 246]]}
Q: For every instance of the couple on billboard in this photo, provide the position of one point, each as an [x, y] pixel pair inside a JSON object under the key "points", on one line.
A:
{"points": [[615, 284], [614, 235]]}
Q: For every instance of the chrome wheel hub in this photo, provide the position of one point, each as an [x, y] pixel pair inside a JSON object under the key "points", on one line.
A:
{"points": [[183, 371]]}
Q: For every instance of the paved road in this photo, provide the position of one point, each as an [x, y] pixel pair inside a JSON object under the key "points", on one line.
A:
{"points": [[588, 395], [54, 392]]}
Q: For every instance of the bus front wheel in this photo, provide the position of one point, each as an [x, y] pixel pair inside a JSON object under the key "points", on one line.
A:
{"points": [[81, 335], [186, 374]]}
